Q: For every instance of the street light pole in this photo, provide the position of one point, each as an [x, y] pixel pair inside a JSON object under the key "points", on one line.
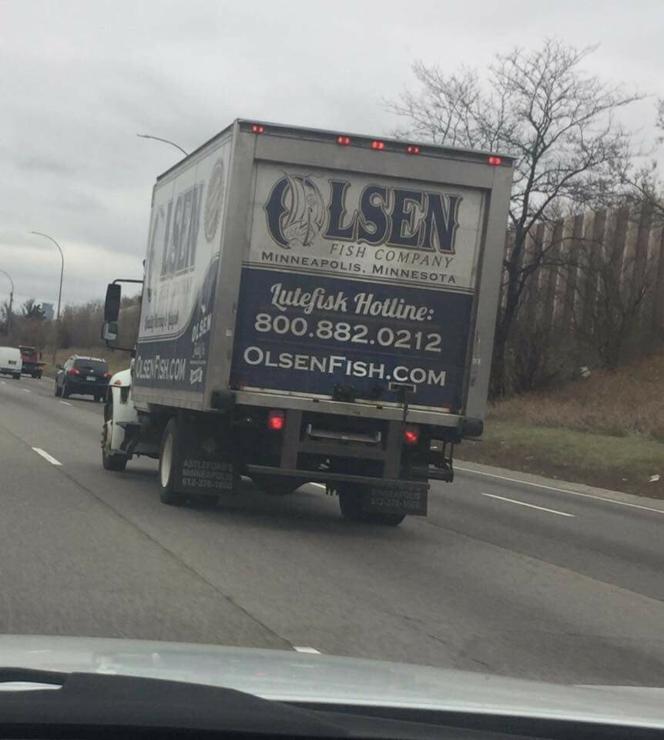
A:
{"points": [[165, 141], [11, 301], [62, 272]]}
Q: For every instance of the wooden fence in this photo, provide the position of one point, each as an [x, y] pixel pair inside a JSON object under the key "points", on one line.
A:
{"points": [[595, 266]]}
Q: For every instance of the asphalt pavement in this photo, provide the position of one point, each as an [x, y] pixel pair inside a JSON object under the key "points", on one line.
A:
{"points": [[503, 576]]}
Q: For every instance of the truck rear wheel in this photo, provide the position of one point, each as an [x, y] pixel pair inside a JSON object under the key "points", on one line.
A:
{"points": [[350, 503], [169, 443]]}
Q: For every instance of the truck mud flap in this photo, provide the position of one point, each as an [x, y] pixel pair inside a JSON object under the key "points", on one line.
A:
{"points": [[397, 499], [205, 460]]}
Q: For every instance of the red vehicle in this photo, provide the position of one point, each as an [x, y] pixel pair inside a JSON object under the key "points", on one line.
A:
{"points": [[32, 364]]}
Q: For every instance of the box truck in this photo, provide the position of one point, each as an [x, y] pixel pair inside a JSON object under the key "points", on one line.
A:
{"points": [[316, 307]]}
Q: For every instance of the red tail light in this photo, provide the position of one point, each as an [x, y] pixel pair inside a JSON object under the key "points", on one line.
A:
{"points": [[73, 371], [343, 140], [379, 145], [495, 161], [411, 435], [256, 128], [276, 420], [412, 149]]}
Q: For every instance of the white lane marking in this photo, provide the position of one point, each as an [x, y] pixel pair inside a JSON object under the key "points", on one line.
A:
{"points": [[66, 403], [319, 485], [309, 650], [25, 390], [530, 506], [46, 456], [559, 490]]}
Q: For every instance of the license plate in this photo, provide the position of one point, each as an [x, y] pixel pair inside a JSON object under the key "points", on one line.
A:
{"points": [[92, 378], [397, 500]]}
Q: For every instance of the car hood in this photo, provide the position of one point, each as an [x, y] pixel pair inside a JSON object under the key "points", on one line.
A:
{"points": [[323, 679]]}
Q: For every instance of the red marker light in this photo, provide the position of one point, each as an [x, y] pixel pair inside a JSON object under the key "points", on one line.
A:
{"points": [[343, 140], [412, 149], [495, 161], [378, 145], [256, 128], [276, 420], [411, 435]]}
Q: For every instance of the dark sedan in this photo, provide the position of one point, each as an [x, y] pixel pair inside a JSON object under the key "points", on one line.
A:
{"points": [[85, 376]]}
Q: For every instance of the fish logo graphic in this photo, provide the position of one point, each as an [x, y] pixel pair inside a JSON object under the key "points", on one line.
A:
{"points": [[295, 211], [214, 200]]}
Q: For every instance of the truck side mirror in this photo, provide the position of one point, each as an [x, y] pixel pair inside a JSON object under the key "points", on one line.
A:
{"points": [[109, 332], [112, 303]]}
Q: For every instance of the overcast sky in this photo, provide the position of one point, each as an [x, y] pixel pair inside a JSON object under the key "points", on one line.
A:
{"points": [[79, 80]]}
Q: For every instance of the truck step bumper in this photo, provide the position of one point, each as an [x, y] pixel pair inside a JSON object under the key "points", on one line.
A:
{"points": [[318, 476]]}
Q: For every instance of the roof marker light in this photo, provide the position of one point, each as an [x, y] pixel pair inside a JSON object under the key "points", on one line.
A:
{"points": [[343, 140], [256, 128], [378, 145], [413, 149], [495, 161]]}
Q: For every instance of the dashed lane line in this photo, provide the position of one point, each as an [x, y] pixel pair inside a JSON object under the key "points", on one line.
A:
{"points": [[46, 456], [530, 506]]}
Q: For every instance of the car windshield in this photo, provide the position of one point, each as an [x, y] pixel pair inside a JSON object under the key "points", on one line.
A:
{"points": [[343, 334]]}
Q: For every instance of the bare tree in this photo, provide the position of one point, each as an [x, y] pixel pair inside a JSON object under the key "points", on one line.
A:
{"points": [[645, 181], [32, 310], [556, 120]]}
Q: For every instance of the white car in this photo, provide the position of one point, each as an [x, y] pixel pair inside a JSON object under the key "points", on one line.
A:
{"points": [[11, 362]]}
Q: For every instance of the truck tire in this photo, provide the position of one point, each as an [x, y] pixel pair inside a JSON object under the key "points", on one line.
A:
{"points": [[169, 442], [113, 462], [350, 503], [110, 461]]}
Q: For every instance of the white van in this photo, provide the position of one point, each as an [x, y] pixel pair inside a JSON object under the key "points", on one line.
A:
{"points": [[11, 362]]}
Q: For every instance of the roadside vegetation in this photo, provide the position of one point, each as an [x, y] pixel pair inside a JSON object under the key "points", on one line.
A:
{"points": [[605, 430]]}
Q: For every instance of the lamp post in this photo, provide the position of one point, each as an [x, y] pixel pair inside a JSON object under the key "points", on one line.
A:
{"points": [[11, 300], [165, 141], [62, 272]]}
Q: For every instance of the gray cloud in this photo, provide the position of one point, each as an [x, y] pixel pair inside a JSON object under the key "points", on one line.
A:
{"points": [[79, 80]]}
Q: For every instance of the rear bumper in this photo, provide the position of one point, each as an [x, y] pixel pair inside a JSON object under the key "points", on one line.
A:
{"points": [[85, 388], [363, 409]]}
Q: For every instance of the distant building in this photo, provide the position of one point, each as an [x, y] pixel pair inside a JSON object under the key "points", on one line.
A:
{"points": [[49, 313]]}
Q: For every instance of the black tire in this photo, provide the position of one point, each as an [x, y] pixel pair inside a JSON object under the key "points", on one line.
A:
{"points": [[17, 376], [37, 376], [350, 503], [169, 443], [118, 463]]}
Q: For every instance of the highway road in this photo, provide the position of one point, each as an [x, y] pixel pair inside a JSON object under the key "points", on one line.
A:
{"points": [[502, 576]]}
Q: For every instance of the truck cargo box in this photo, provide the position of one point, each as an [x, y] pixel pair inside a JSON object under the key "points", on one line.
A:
{"points": [[310, 269]]}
